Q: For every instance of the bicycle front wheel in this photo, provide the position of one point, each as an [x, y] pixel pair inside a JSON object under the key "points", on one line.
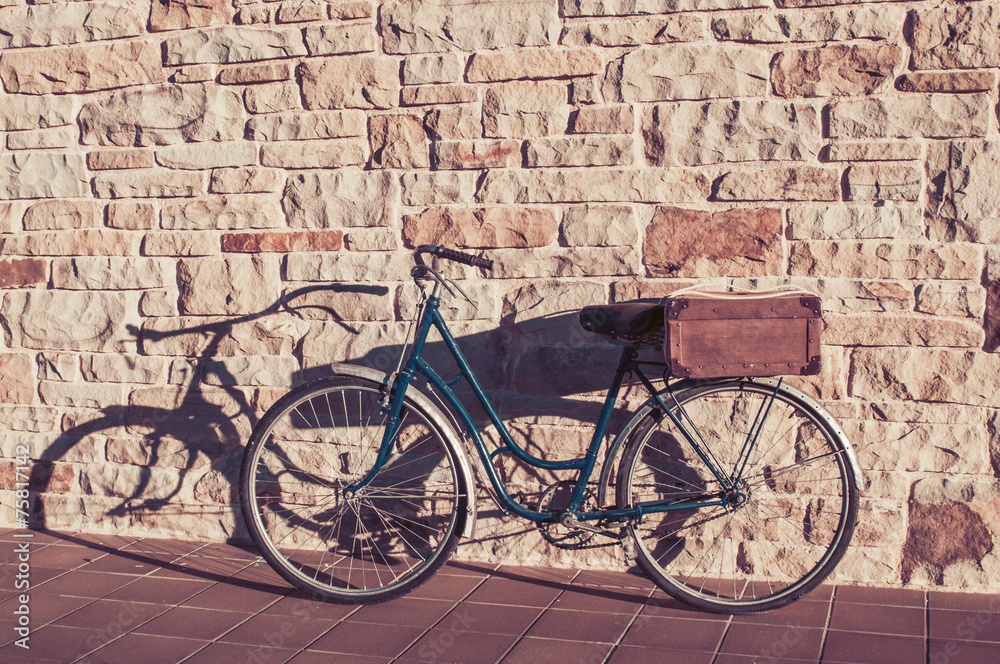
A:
{"points": [[771, 535], [316, 527]]}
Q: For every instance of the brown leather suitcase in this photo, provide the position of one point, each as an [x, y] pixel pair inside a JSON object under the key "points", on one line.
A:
{"points": [[710, 335]]}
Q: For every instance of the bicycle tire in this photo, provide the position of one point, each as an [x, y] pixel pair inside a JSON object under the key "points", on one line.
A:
{"points": [[367, 548], [800, 508]]}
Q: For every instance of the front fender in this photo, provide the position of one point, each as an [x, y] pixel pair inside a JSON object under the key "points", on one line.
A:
{"points": [[439, 419]]}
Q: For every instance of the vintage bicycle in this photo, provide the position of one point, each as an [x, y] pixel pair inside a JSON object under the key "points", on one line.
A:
{"points": [[734, 495]]}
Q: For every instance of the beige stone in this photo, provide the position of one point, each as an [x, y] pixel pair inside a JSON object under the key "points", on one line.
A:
{"points": [[847, 223], [917, 374], [963, 191], [29, 112], [493, 66], [18, 385], [195, 74], [427, 95], [226, 45], [580, 151], [415, 26], [352, 9], [696, 133], [881, 182], [875, 151], [223, 213], [58, 366], [347, 267], [454, 123], [817, 26], [11, 214], [681, 71], [952, 81], [883, 260], [55, 24], [111, 273], [184, 243], [164, 115], [113, 160], [592, 186], [75, 395], [635, 32], [227, 286], [626, 7], [42, 175], [584, 91], [82, 242], [308, 126], [549, 262], [481, 229], [433, 68], [67, 320], [899, 330], [398, 141], [178, 14], [476, 155], [301, 11], [246, 180], [350, 82], [781, 183], [88, 68], [603, 120], [850, 296], [934, 116], [272, 97], [203, 156], [691, 243], [61, 137], [958, 300], [340, 39], [599, 226], [421, 188], [192, 337], [252, 371], [130, 215], [342, 199], [525, 108], [834, 70], [154, 183], [372, 239], [956, 37], [29, 418], [264, 72], [331, 153], [60, 214]]}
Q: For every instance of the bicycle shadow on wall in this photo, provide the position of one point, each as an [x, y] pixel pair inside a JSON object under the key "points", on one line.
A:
{"points": [[159, 455]]}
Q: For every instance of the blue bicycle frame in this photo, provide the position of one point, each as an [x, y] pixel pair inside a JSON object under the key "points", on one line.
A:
{"points": [[628, 364]]}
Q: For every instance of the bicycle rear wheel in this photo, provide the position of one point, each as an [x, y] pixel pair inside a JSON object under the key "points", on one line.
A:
{"points": [[778, 533], [325, 537]]}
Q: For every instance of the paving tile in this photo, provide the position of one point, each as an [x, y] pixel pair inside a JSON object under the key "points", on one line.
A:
{"points": [[467, 568], [229, 596], [40, 576], [354, 638], [727, 658], [159, 590], [703, 635], [552, 575], [450, 587], [189, 622], [45, 608], [881, 596], [111, 617], [230, 551], [311, 657], [640, 655], [298, 604], [238, 653], [64, 557], [514, 593], [661, 606], [803, 613], [491, 618], [278, 631], [122, 564], [854, 648], [458, 647], [605, 600], [595, 577], [53, 642], [80, 583], [153, 649], [963, 601], [899, 620], [963, 652], [532, 651], [405, 611], [982, 625], [581, 626], [165, 547], [773, 641]]}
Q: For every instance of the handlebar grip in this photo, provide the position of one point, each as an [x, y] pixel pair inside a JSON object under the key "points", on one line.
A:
{"points": [[457, 256]]}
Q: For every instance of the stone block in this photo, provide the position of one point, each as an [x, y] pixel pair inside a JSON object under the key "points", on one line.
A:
{"points": [[919, 374], [116, 160], [901, 330], [29, 418], [229, 44], [372, 239], [42, 175], [596, 185], [483, 293], [201, 156], [192, 337], [222, 212], [421, 188], [252, 371], [992, 316], [347, 267], [349, 304], [16, 272], [159, 303], [413, 26], [398, 141], [493, 66], [68, 320], [73, 242], [780, 183], [247, 180], [454, 123], [932, 116], [346, 11], [682, 71], [131, 216], [816, 26], [272, 97], [308, 126], [635, 32], [875, 151], [45, 139], [58, 366], [583, 91], [183, 243], [301, 11], [956, 37], [947, 82], [340, 39], [580, 151], [330, 153], [630, 7], [429, 95], [881, 182], [603, 120], [522, 109], [363, 81], [482, 228], [599, 226], [77, 395], [111, 273], [963, 191], [854, 223], [696, 133], [151, 183], [692, 243], [433, 68], [62, 214], [476, 155], [550, 262], [194, 74], [226, 286], [11, 216], [834, 70], [341, 199], [115, 64], [884, 260], [958, 300], [57, 24], [163, 115], [284, 242], [31, 112], [180, 14], [264, 72], [18, 385]]}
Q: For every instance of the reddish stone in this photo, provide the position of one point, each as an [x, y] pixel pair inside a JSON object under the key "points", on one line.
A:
{"points": [[104, 160], [476, 155], [178, 14], [481, 229], [251, 243], [940, 535], [131, 216], [694, 243], [950, 82], [834, 70], [22, 271], [18, 384]]}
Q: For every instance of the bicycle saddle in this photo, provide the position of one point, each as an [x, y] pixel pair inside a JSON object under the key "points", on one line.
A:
{"points": [[636, 320]]}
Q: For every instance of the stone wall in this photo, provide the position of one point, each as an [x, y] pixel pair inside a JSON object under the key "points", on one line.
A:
{"points": [[169, 172]]}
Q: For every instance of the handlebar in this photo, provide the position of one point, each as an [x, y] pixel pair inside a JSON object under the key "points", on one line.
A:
{"points": [[453, 255]]}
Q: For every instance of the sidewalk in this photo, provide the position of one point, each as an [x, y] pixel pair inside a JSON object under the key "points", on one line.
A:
{"points": [[105, 599]]}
